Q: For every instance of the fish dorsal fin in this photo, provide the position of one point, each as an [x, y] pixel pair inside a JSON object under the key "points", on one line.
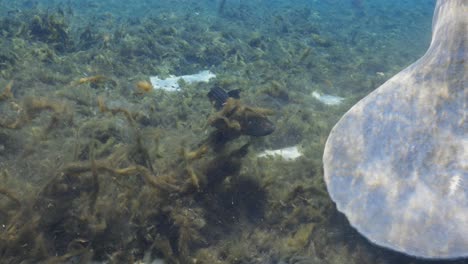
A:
{"points": [[234, 93]]}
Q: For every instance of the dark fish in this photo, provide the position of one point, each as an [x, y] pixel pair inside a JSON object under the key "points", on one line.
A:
{"points": [[257, 126], [251, 124], [218, 96]]}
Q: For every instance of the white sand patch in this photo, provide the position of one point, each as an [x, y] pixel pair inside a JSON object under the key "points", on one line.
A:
{"points": [[288, 153], [327, 99], [171, 84]]}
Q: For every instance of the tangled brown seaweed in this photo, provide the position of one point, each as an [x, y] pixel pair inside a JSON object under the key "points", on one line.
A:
{"points": [[117, 203], [140, 174]]}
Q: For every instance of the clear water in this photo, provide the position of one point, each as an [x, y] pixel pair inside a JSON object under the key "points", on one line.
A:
{"points": [[96, 166]]}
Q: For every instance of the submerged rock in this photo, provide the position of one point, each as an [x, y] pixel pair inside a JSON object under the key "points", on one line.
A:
{"points": [[396, 164]]}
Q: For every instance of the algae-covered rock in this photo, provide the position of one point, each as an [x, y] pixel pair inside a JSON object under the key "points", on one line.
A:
{"points": [[397, 163]]}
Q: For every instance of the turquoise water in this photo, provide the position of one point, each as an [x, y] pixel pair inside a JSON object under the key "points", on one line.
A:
{"points": [[99, 166]]}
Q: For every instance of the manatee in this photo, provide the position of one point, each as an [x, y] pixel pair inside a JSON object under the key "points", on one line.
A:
{"points": [[396, 164]]}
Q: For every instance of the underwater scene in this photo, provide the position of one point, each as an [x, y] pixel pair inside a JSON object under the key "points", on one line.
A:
{"points": [[188, 131]]}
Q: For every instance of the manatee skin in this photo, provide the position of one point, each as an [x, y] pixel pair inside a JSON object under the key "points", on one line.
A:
{"points": [[396, 164]]}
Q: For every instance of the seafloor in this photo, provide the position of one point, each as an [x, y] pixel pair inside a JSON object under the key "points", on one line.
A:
{"points": [[95, 166]]}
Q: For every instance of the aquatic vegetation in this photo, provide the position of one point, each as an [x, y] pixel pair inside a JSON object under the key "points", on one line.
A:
{"points": [[96, 166], [277, 90], [32, 107], [51, 28], [144, 86], [7, 58], [11, 196], [94, 81], [6, 94]]}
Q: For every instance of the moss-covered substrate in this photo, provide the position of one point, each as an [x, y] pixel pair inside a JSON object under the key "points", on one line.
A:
{"points": [[94, 169]]}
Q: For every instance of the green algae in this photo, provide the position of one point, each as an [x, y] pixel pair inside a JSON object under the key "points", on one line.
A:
{"points": [[129, 179]]}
